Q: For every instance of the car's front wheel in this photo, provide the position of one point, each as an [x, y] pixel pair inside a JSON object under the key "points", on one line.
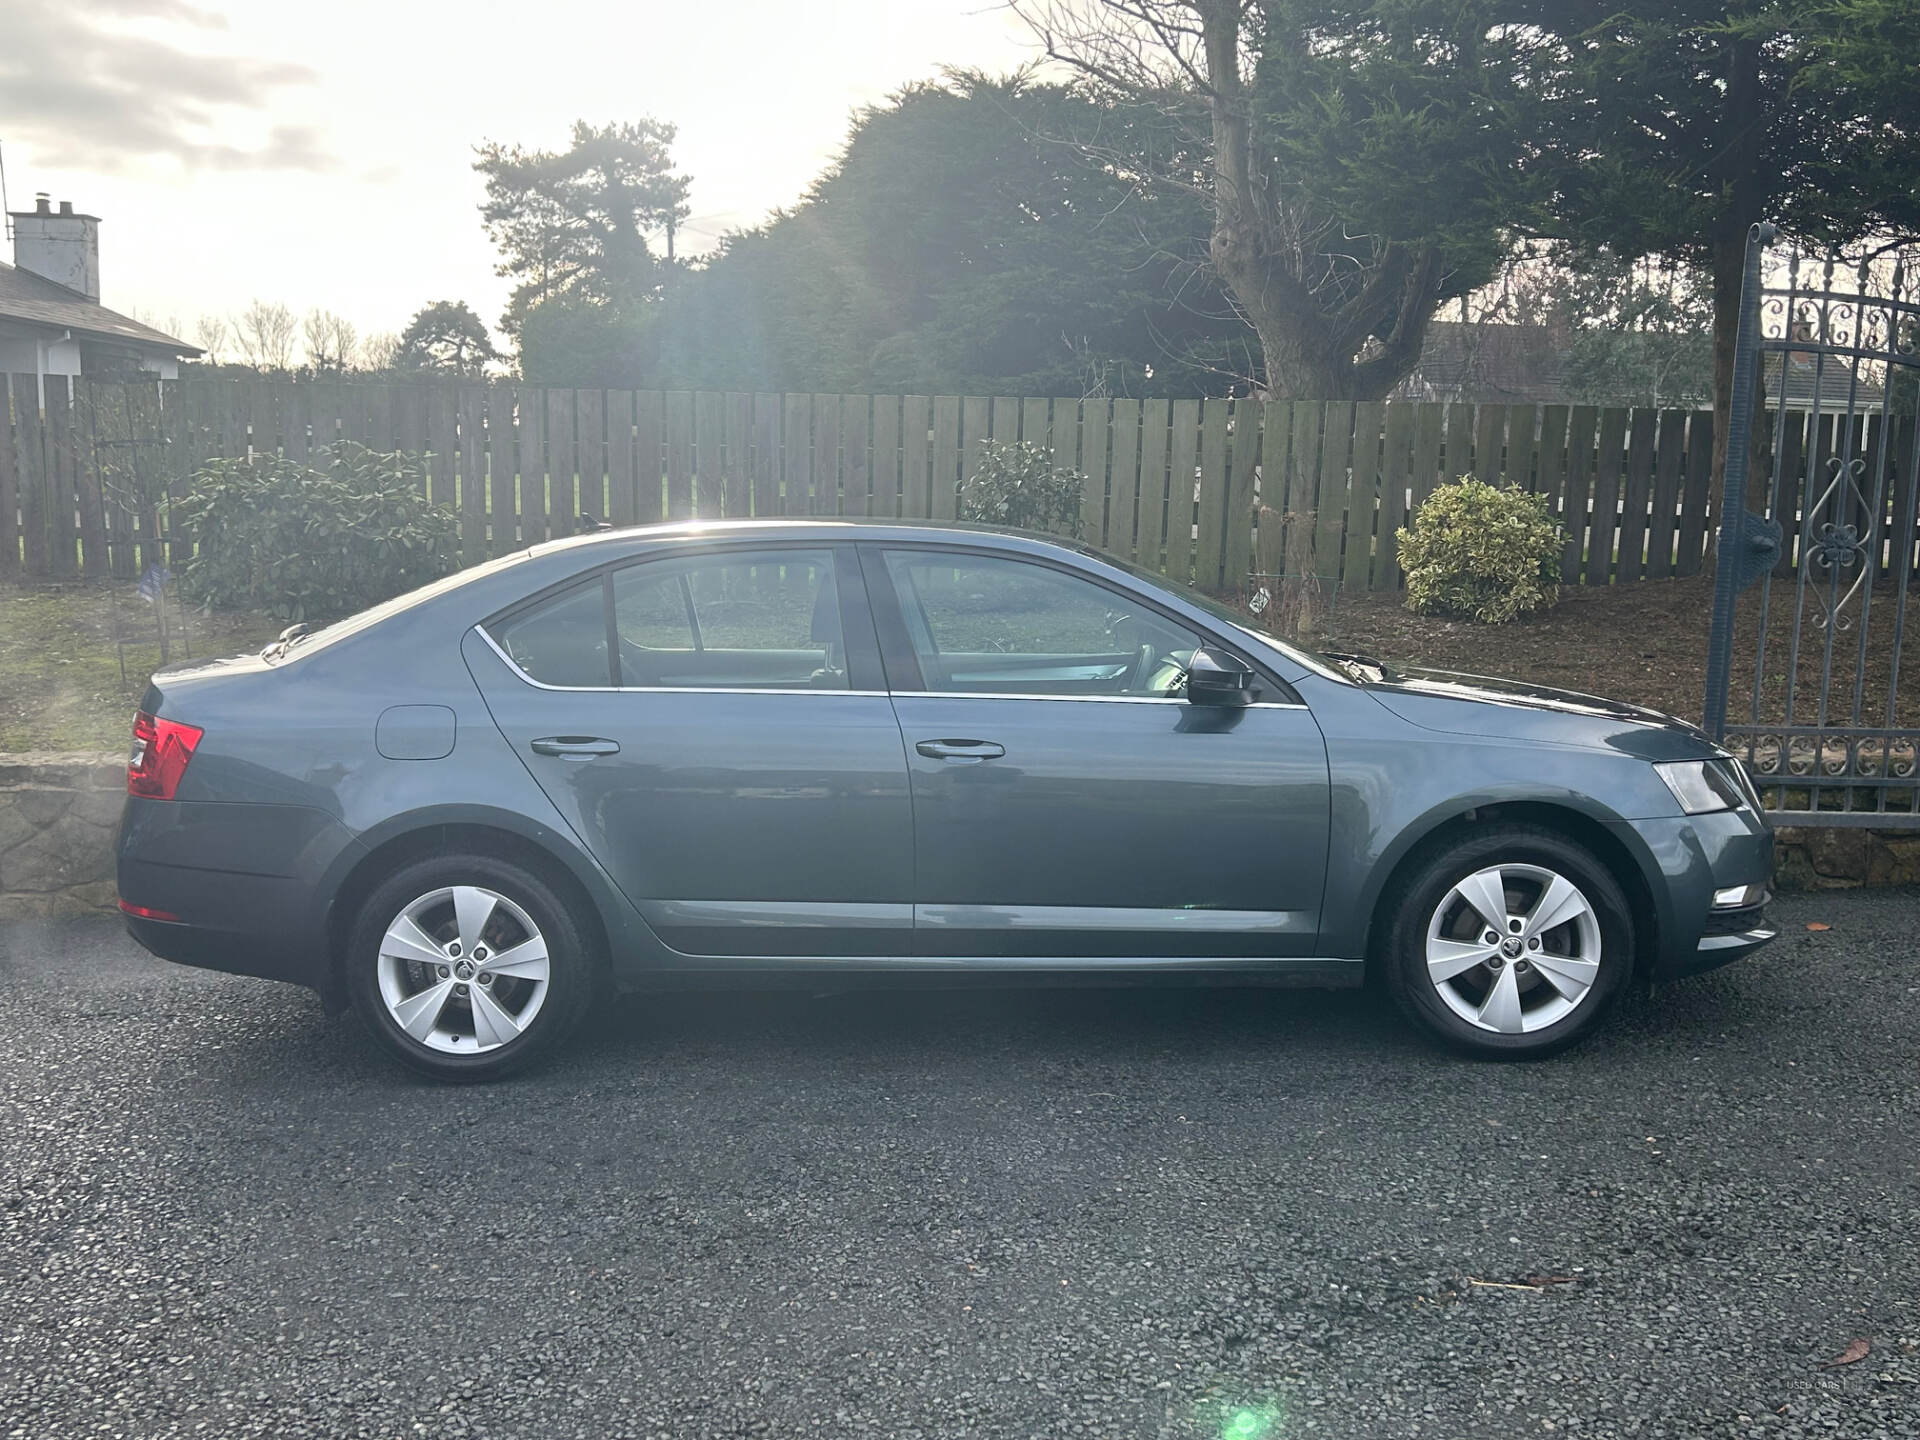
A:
{"points": [[1511, 943], [466, 967]]}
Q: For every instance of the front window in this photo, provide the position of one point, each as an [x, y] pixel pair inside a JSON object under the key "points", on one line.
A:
{"points": [[1237, 619], [988, 625]]}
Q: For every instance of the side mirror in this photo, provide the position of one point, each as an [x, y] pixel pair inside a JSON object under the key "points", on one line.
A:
{"points": [[1217, 678]]}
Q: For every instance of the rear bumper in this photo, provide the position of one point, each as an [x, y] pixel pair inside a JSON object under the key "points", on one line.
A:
{"points": [[237, 952], [243, 880]]}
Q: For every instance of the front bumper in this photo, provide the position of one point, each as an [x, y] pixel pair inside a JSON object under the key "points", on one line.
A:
{"points": [[1695, 856], [1731, 935]]}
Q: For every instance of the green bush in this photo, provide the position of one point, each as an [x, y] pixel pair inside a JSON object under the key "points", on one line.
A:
{"points": [[314, 540], [1019, 487], [1481, 552]]}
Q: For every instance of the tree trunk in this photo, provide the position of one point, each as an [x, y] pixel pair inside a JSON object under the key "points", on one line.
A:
{"points": [[1292, 373], [1306, 355]]}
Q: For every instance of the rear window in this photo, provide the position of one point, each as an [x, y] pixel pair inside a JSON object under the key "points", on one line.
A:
{"points": [[562, 641], [735, 620]]}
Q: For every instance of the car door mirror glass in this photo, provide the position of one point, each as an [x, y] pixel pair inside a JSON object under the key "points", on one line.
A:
{"points": [[1215, 677]]}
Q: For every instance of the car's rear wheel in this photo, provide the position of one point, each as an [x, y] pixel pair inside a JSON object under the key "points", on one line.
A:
{"points": [[467, 967], [1512, 943]]}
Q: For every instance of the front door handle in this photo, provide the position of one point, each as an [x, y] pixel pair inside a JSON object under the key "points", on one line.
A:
{"points": [[575, 747], [960, 749]]}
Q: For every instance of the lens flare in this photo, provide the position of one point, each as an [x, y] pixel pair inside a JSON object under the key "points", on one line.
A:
{"points": [[1250, 1424]]}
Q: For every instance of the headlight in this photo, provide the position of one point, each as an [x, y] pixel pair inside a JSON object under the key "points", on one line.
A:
{"points": [[1702, 786]]}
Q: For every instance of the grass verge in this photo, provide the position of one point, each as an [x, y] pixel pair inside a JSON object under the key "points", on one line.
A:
{"points": [[61, 682]]}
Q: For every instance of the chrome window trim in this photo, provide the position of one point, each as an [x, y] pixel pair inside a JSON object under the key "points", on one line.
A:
{"points": [[1084, 699], [514, 666]]}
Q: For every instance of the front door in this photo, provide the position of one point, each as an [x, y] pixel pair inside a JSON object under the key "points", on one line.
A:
{"points": [[1066, 802], [714, 728]]}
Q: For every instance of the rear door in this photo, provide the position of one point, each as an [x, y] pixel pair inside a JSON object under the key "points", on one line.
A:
{"points": [[714, 727], [1067, 802]]}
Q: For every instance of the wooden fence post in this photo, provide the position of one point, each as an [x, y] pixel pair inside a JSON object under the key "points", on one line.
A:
{"points": [[1395, 469], [472, 488], [1696, 503], [1096, 434], [1364, 497], [9, 487], [61, 510], [30, 463]]}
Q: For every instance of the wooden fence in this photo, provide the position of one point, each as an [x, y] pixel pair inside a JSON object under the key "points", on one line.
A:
{"points": [[1175, 486]]}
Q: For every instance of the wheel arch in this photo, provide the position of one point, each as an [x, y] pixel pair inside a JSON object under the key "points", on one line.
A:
{"points": [[1612, 844], [405, 841]]}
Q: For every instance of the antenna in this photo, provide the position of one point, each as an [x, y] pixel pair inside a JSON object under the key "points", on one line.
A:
{"points": [[5, 208]]}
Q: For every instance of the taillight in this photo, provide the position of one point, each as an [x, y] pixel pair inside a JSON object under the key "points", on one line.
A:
{"points": [[161, 750], [147, 912]]}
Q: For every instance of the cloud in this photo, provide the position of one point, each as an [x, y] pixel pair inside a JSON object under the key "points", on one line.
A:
{"points": [[105, 84]]}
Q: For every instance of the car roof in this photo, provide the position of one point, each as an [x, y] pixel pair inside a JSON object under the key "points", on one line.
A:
{"points": [[824, 528]]}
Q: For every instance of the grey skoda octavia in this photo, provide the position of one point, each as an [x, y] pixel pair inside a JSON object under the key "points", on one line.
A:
{"points": [[834, 749]]}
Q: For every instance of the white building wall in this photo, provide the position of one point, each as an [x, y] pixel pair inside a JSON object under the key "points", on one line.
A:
{"points": [[19, 354], [27, 353], [60, 357]]}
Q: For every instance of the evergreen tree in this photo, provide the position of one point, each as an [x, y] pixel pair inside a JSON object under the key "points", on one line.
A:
{"points": [[1669, 127], [446, 337], [575, 223]]}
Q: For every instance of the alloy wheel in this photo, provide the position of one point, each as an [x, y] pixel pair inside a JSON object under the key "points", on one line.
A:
{"points": [[463, 970], [1513, 948]]}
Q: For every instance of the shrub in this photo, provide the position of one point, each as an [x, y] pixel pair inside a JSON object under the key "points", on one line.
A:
{"points": [[1481, 552], [316, 540], [1018, 486]]}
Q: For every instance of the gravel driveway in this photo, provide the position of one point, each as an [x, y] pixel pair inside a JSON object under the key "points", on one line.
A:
{"points": [[1105, 1213]]}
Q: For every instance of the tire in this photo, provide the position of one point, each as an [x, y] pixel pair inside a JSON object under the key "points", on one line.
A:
{"points": [[427, 986], [1560, 959]]}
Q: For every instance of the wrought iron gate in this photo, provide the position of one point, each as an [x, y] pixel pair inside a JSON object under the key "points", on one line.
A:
{"points": [[1812, 594]]}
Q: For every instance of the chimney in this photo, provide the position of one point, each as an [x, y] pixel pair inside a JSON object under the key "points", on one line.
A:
{"points": [[63, 247]]}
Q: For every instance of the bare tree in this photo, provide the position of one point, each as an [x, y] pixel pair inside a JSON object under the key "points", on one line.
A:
{"points": [[263, 335], [378, 349], [212, 333], [1340, 308], [333, 344]]}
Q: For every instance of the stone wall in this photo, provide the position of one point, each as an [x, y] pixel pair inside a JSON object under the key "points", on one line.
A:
{"points": [[58, 812], [57, 816], [1832, 858]]}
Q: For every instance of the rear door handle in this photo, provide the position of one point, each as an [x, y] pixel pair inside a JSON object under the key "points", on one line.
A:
{"points": [[960, 749], [575, 747]]}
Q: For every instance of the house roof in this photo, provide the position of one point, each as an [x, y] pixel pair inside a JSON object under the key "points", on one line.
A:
{"points": [[1498, 363], [1835, 377], [34, 300]]}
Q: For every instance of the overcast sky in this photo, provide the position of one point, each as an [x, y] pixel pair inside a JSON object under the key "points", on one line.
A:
{"points": [[319, 152]]}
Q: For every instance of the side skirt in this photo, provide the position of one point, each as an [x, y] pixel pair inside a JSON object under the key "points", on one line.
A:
{"points": [[1313, 973]]}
